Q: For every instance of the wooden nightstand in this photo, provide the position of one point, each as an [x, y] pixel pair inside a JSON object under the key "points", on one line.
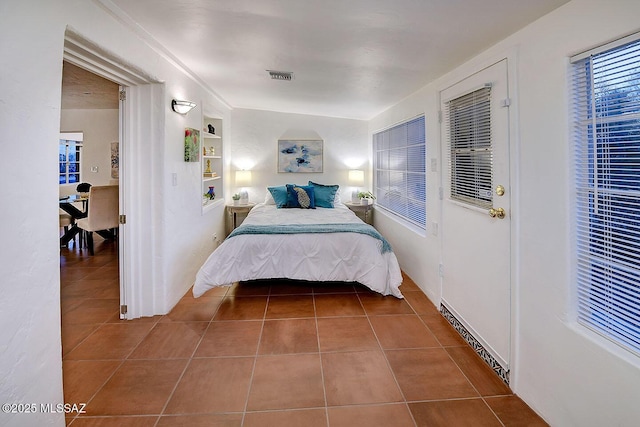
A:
{"points": [[364, 212], [232, 214]]}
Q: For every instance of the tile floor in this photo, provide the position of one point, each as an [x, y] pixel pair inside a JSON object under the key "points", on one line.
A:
{"points": [[270, 354]]}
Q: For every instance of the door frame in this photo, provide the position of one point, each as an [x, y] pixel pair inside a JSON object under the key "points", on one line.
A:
{"points": [[461, 73], [137, 117]]}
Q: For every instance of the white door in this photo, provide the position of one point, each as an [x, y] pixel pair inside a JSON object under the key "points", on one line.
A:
{"points": [[476, 210]]}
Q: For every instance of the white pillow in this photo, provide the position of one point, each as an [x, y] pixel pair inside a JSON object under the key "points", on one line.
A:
{"points": [[268, 199]]}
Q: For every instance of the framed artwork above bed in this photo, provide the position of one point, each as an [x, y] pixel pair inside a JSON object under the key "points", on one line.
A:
{"points": [[300, 155]]}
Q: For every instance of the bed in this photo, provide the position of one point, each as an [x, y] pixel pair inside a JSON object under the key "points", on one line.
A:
{"points": [[327, 243]]}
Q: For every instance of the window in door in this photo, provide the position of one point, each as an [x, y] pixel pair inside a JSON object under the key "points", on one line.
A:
{"points": [[468, 130], [70, 158], [606, 140]]}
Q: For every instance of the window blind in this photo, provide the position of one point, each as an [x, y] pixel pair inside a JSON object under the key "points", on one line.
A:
{"points": [[606, 139], [468, 130], [400, 171]]}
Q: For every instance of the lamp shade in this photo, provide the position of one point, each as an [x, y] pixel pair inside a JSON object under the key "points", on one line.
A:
{"points": [[243, 178], [182, 107], [356, 178]]}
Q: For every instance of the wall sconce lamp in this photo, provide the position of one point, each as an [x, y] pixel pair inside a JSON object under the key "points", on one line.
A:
{"points": [[182, 107], [356, 179], [243, 179]]}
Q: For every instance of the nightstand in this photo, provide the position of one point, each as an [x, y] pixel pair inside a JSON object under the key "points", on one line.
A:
{"points": [[364, 212], [232, 214]]}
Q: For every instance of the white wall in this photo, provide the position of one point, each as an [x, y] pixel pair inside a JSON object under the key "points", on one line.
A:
{"points": [[31, 53], [255, 138], [100, 129], [569, 375]]}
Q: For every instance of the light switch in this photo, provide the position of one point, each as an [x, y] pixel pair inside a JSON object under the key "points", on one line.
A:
{"points": [[94, 169], [174, 179]]}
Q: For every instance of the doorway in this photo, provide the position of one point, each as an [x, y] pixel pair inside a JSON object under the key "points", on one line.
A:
{"points": [[90, 284], [476, 213]]}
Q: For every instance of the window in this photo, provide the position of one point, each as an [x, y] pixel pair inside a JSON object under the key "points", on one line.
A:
{"points": [[70, 158], [606, 137], [399, 170], [468, 130]]}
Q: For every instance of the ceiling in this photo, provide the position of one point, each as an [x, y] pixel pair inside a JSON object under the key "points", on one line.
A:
{"points": [[350, 59]]}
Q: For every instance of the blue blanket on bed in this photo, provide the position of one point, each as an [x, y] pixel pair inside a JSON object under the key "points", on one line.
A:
{"points": [[312, 228]]}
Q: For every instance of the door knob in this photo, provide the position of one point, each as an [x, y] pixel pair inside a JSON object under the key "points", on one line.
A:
{"points": [[497, 213], [500, 190]]}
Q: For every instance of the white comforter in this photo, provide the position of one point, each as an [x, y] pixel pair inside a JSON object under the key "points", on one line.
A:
{"points": [[349, 257]]}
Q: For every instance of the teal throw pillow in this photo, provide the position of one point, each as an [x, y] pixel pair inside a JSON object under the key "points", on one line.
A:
{"points": [[279, 195], [325, 194]]}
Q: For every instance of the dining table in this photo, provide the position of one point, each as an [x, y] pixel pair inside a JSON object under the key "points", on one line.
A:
{"points": [[76, 206]]}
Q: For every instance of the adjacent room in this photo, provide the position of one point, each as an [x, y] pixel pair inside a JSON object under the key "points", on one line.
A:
{"points": [[407, 213]]}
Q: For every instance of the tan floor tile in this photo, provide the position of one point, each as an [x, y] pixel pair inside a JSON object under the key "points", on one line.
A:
{"points": [[286, 336], [428, 374], [419, 302], [294, 418], [242, 308], [170, 341], [83, 378], [110, 341], [194, 309], [91, 311], [230, 338], [396, 415], [447, 413], [333, 288], [513, 412], [209, 420], [346, 334], [252, 288], [138, 387], [286, 382], [72, 335], [291, 287], [408, 284], [353, 378], [376, 304], [479, 373], [212, 385], [338, 305], [413, 333], [96, 288], [137, 421], [290, 306], [443, 331]]}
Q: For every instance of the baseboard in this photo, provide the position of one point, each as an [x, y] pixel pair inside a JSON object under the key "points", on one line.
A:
{"points": [[477, 346]]}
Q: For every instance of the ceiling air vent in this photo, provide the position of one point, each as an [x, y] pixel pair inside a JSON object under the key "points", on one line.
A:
{"points": [[280, 75]]}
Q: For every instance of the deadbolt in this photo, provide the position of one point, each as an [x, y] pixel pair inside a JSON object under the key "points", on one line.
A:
{"points": [[497, 213], [500, 190]]}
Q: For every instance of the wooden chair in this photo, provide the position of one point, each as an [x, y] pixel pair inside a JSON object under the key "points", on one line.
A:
{"points": [[103, 214]]}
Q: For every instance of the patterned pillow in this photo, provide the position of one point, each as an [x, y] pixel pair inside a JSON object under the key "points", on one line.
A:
{"points": [[299, 196]]}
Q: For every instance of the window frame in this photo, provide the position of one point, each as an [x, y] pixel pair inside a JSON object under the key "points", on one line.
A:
{"points": [[409, 172], [65, 139], [606, 145]]}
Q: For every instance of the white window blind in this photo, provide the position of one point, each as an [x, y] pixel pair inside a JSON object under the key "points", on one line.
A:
{"points": [[606, 137], [468, 130], [399, 170]]}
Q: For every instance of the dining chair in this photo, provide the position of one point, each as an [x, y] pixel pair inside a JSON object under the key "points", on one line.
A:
{"points": [[66, 220], [102, 214]]}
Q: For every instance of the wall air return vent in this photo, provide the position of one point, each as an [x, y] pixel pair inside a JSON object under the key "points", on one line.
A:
{"points": [[280, 75]]}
